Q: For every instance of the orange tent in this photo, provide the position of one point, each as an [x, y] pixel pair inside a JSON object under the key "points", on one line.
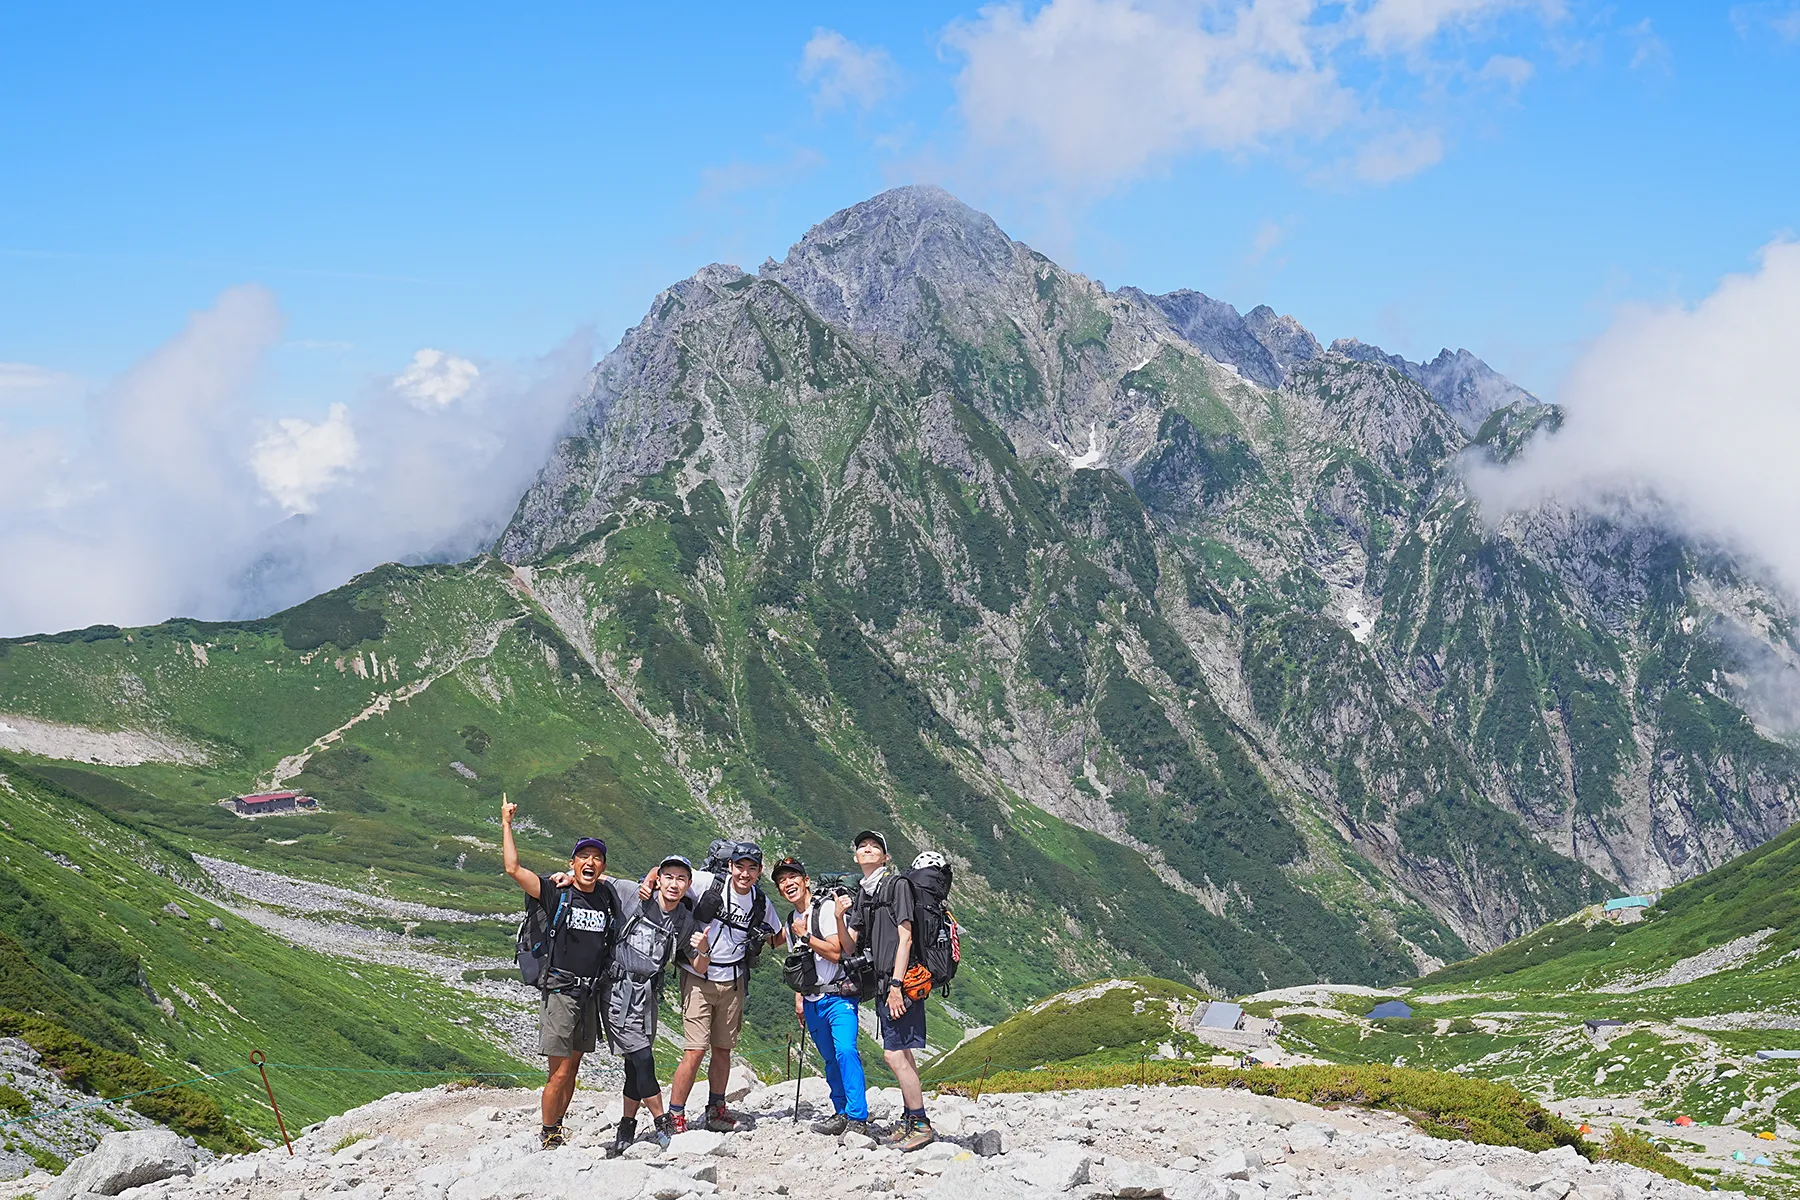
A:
{"points": [[1684, 1120]]}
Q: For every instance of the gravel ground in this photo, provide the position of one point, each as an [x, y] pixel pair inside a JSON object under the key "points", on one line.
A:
{"points": [[1128, 1144]]}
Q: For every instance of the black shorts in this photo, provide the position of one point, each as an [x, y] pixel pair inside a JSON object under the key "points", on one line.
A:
{"points": [[905, 1032]]}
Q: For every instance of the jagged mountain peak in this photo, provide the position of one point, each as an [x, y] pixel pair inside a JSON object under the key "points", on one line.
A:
{"points": [[1467, 388], [1261, 345]]}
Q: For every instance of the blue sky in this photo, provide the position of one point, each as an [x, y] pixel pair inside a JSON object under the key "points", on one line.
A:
{"points": [[488, 183]]}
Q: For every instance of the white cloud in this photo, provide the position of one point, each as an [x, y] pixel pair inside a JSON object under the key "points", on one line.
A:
{"points": [[1087, 94], [298, 459], [1508, 69], [1100, 90], [1407, 24], [842, 72], [1647, 49], [1697, 407], [1269, 234], [1397, 154], [181, 499], [1782, 20], [435, 379], [19, 377]]}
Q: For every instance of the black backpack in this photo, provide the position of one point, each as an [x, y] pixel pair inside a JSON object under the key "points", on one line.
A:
{"points": [[800, 970], [534, 945], [711, 907], [535, 939], [937, 938]]}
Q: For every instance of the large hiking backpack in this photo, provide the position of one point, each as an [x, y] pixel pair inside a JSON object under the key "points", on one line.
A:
{"points": [[535, 939], [937, 938]]}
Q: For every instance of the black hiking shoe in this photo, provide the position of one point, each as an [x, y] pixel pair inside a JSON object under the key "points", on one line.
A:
{"points": [[622, 1140], [554, 1138], [665, 1130], [832, 1126], [720, 1120]]}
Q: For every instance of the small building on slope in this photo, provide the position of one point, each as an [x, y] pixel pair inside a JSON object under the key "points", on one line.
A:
{"points": [[260, 804]]}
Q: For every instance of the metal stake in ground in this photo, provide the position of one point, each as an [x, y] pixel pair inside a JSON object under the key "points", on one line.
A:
{"points": [[259, 1060], [800, 1074]]}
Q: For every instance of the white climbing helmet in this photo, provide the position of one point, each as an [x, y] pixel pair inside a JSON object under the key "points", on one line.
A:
{"points": [[931, 858]]}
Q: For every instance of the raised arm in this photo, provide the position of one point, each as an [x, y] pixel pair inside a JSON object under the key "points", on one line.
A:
{"points": [[509, 853]]}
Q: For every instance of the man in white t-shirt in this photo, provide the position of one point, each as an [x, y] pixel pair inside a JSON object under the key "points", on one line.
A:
{"points": [[828, 1011], [739, 921]]}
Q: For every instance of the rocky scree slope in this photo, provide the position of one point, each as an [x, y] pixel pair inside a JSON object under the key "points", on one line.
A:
{"points": [[1131, 1143], [966, 526]]}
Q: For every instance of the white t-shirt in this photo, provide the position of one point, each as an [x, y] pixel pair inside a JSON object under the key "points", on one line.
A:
{"points": [[726, 945], [829, 972]]}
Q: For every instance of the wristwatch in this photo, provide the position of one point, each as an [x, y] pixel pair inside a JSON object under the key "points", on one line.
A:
{"points": [[892, 983]]}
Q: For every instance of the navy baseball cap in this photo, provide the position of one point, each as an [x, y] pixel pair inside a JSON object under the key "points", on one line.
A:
{"points": [[869, 835], [589, 843], [676, 860], [749, 850]]}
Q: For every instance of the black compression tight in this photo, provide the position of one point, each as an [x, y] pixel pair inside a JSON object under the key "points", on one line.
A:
{"points": [[640, 1075]]}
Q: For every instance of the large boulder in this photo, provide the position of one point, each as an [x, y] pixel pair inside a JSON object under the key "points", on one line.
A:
{"points": [[123, 1160]]}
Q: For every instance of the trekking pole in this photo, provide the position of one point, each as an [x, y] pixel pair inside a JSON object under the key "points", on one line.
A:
{"points": [[800, 1074], [982, 1082], [260, 1060]]}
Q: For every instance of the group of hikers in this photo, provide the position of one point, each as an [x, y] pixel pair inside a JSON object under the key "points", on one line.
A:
{"points": [[598, 950]]}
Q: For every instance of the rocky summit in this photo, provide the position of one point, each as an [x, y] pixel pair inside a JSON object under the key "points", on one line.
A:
{"points": [[1130, 1143]]}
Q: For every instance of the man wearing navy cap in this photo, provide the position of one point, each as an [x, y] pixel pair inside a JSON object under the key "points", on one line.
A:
{"points": [[583, 917]]}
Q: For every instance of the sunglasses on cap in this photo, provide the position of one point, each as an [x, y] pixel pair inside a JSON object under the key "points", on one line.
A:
{"points": [[743, 850]]}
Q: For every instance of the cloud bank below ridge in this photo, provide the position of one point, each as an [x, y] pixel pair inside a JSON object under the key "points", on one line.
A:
{"points": [[183, 500]]}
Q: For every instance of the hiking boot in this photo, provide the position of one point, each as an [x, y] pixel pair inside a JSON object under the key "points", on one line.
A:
{"points": [[677, 1122], [832, 1126], [554, 1137], [922, 1135], [665, 1130], [622, 1140], [851, 1125], [899, 1133], [720, 1120]]}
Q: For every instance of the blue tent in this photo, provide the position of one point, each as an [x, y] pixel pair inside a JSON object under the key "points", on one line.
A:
{"points": [[1390, 1008]]}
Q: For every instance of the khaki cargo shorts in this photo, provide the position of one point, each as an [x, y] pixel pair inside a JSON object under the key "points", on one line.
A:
{"points": [[712, 1014], [568, 1024]]}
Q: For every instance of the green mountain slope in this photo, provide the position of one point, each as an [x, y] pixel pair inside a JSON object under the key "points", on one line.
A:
{"points": [[90, 942]]}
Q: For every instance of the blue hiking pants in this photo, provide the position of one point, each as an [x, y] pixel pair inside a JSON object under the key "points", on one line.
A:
{"points": [[831, 1020]]}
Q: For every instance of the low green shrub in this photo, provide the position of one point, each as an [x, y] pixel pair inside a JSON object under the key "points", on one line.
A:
{"points": [[107, 1073], [14, 1101], [1439, 1103], [1629, 1146]]}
